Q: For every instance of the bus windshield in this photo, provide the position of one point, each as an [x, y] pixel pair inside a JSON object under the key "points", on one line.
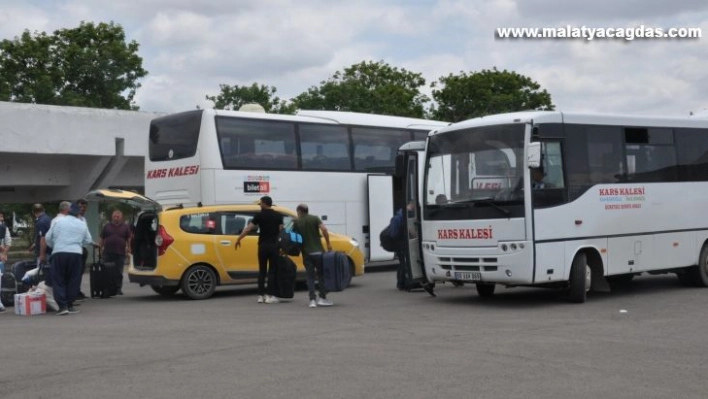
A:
{"points": [[483, 165]]}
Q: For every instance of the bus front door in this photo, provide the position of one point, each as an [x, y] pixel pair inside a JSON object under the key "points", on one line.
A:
{"points": [[380, 205], [412, 219]]}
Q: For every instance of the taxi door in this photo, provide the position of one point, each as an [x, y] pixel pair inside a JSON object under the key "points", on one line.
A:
{"points": [[241, 265]]}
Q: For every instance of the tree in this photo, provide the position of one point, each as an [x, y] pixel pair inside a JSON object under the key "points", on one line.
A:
{"points": [[466, 96], [236, 96], [89, 66], [370, 87]]}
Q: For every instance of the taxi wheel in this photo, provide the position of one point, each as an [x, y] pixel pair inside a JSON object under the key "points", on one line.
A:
{"points": [[165, 290], [199, 282]]}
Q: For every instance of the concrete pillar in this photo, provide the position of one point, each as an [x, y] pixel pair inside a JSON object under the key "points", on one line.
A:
{"points": [[94, 223]]}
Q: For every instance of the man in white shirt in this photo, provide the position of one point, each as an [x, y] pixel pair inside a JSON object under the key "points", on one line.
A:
{"points": [[63, 211], [67, 237]]}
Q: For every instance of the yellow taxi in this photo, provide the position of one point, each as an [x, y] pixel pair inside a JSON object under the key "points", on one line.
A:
{"points": [[192, 248]]}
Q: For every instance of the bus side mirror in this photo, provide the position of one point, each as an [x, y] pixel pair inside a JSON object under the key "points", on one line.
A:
{"points": [[533, 157], [400, 167]]}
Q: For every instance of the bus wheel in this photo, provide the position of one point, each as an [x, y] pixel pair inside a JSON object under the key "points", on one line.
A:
{"points": [[702, 272], [166, 290], [580, 279], [199, 282], [485, 290]]}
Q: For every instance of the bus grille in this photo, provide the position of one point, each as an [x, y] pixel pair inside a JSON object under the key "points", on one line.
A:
{"points": [[469, 264]]}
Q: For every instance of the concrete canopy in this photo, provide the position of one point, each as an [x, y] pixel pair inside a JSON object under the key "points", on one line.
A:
{"points": [[52, 153]]}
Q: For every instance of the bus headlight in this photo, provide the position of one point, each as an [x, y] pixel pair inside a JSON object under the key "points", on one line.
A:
{"points": [[354, 242]]}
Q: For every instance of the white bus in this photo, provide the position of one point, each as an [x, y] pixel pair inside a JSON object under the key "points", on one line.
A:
{"points": [[621, 195], [340, 163]]}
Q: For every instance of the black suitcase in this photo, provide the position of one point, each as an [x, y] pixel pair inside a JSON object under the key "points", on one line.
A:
{"points": [[103, 284], [285, 273], [18, 270], [8, 288]]}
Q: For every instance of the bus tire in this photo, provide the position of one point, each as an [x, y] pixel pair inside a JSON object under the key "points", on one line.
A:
{"points": [[165, 290], [199, 282], [579, 279], [485, 290], [701, 272]]}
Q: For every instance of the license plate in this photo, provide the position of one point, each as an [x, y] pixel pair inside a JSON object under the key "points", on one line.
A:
{"points": [[469, 276]]}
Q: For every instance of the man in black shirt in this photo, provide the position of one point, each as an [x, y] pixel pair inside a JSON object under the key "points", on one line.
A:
{"points": [[270, 223]]}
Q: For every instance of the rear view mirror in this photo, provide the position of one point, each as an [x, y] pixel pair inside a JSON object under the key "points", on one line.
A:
{"points": [[533, 157]]}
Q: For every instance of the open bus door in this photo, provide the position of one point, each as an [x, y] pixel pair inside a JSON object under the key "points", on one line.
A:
{"points": [[380, 189], [413, 226], [408, 165]]}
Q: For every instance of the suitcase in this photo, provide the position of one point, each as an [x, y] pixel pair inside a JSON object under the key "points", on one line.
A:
{"points": [[285, 273], [335, 270], [102, 281], [8, 288], [18, 270]]}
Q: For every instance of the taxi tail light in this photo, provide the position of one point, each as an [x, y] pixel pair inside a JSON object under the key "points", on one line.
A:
{"points": [[163, 240]]}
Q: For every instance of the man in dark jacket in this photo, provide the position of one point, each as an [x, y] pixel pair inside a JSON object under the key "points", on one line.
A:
{"points": [[270, 223]]}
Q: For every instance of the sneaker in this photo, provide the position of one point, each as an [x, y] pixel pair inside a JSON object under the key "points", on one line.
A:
{"points": [[72, 310], [313, 303], [272, 299], [119, 292], [324, 302], [63, 312], [261, 299]]}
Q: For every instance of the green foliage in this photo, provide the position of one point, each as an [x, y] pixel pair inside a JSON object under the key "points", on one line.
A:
{"points": [[88, 66], [237, 96], [488, 92], [369, 87]]}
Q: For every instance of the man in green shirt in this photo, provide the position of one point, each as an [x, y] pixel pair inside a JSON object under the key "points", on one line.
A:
{"points": [[309, 226]]}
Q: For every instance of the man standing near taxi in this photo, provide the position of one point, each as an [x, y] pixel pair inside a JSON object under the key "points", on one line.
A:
{"points": [[310, 226], [270, 223], [115, 246]]}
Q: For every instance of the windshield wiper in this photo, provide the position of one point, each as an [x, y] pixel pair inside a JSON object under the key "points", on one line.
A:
{"points": [[486, 200]]}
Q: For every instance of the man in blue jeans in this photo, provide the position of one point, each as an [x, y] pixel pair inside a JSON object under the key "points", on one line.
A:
{"points": [[66, 239], [310, 226]]}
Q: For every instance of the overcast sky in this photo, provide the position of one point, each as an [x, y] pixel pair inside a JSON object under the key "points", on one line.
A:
{"points": [[190, 47]]}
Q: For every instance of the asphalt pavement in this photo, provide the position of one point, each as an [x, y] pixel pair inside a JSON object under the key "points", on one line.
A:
{"points": [[645, 341]]}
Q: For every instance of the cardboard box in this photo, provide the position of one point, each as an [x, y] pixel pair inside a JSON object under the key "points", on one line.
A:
{"points": [[30, 304]]}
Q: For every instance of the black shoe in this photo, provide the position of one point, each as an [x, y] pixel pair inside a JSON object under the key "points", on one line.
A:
{"points": [[72, 310], [119, 292], [76, 304], [429, 289]]}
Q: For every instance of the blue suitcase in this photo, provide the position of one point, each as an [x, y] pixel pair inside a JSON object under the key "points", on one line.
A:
{"points": [[336, 271]]}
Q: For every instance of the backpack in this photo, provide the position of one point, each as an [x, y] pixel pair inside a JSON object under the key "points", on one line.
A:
{"points": [[388, 243], [290, 242]]}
